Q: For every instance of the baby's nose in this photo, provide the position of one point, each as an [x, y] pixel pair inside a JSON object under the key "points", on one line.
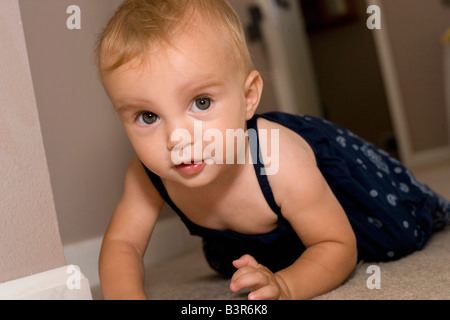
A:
{"points": [[179, 134], [179, 139]]}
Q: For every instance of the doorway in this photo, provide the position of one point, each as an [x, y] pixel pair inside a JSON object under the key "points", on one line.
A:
{"points": [[347, 70]]}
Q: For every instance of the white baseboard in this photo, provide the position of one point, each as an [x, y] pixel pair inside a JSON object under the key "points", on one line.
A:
{"points": [[429, 157], [65, 283], [169, 239]]}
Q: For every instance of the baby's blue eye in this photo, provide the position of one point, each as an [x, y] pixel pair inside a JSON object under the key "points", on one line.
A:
{"points": [[147, 118], [202, 104]]}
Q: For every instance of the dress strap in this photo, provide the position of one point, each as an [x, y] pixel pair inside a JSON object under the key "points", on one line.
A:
{"points": [[259, 165]]}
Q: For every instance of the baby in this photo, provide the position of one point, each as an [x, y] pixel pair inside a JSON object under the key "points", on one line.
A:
{"points": [[286, 204]]}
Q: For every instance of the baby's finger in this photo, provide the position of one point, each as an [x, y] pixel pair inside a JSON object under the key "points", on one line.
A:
{"points": [[245, 260], [242, 271], [269, 292], [251, 278]]}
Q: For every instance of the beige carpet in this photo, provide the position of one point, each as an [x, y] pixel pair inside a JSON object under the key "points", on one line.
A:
{"points": [[422, 275]]}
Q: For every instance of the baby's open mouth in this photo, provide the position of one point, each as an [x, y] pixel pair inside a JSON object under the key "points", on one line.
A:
{"points": [[190, 168]]}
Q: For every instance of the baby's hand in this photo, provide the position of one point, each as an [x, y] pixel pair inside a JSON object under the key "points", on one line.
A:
{"points": [[263, 284]]}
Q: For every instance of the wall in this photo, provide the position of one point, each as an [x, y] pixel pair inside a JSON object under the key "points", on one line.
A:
{"points": [[86, 148], [29, 236]]}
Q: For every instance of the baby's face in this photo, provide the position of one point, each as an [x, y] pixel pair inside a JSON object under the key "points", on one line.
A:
{"points": [[194, 87]]}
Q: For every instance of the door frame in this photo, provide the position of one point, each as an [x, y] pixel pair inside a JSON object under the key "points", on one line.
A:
{"points": [[407, 154]]}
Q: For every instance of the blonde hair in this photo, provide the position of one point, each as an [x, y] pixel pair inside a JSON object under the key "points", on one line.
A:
{"points": [[137, 24]]}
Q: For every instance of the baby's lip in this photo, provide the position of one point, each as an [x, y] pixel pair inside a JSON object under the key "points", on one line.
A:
{"points": [[192, 161], [190, 168]]}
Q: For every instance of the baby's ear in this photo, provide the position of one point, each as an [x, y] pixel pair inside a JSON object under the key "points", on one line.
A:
{"points": [[253, 90]]}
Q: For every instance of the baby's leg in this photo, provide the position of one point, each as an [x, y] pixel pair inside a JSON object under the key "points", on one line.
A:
{"points": [[441, 218]]}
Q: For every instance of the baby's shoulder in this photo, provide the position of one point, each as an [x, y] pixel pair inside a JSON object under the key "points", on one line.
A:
{"points": [[297, 173], [289, 145]]}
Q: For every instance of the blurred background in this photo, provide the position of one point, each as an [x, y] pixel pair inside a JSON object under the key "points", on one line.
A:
{"points": [[317, 57]]}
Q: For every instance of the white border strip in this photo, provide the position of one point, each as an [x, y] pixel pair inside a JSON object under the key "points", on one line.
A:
{"points": [[394, 95], [64, 283]]}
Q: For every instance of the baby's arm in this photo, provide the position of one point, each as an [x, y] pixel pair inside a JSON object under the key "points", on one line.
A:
{"points": [[324, 229], [330, 253], [315, 214], [121, 258]]}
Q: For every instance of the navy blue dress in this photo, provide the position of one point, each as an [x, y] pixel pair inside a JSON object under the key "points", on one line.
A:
{"points": [[391, 213]]}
